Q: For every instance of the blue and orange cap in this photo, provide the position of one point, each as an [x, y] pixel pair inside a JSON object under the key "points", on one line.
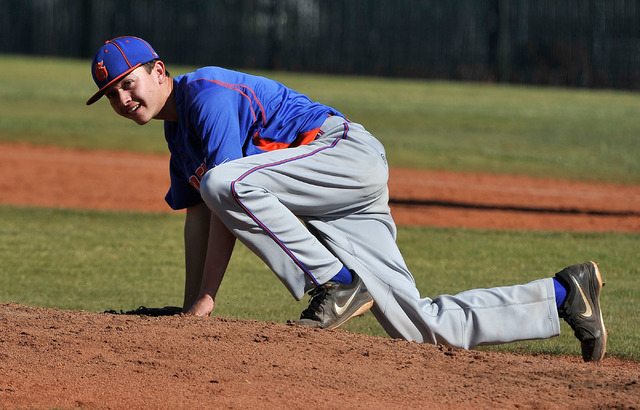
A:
{"points": [[117, 58]]}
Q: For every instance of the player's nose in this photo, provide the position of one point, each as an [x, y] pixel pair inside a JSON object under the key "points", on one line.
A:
{"points": [[124, 97]]}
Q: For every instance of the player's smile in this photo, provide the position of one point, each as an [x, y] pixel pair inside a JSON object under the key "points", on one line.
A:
{"points": [[132, 111]]}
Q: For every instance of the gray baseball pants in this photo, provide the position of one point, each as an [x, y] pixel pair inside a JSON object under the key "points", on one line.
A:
{"points": [[308, 210]]}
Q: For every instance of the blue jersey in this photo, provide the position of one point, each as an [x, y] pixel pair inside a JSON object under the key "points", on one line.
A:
{"points": [[225, 115]]}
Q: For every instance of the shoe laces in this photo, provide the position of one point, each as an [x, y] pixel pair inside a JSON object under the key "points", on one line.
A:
{"points": [[318, 296]]}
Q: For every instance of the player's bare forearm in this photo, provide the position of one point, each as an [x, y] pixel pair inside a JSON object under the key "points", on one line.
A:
{"points": [[220, 244], [196, 234]]}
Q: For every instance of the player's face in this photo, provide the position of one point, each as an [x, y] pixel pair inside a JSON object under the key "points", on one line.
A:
{"points": [[137, 96]]}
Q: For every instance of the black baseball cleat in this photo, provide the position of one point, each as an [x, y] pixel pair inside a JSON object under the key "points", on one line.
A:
{"points": [[334, 303], [581, 308]]}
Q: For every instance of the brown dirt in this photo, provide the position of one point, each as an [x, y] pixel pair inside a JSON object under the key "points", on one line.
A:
{"points": [[65, 359]]}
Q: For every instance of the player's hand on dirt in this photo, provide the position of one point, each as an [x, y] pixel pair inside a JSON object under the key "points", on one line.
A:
{"points": [[202, 306]]}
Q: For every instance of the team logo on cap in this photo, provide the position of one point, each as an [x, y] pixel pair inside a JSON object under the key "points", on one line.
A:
{"points": [[100, 71]]}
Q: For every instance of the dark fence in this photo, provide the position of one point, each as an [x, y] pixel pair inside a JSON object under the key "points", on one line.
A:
{"points": [[580, 43]]}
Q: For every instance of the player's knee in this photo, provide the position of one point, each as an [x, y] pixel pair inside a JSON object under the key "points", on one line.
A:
{"points": [[215, 188]]}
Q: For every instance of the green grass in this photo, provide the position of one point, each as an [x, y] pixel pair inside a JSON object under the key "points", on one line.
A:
{"points": [[96, 261], [575, 134]]}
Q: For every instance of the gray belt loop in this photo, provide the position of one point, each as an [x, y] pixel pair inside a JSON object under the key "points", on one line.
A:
{"points": [[332, 122]]}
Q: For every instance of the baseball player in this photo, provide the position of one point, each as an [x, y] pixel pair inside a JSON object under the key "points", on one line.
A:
{"points": [[306, 190]]}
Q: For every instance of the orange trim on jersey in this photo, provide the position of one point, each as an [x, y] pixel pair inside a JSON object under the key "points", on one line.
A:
{"points": [[303, 139], [264, 144], [238, 88]]}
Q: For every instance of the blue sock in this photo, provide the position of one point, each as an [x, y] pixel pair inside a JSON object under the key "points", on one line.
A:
{"points": [[561, 292], [344, 276]]}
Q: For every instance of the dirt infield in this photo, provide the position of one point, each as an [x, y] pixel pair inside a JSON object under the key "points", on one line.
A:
{"points": [[55, 177], [61, 359], [67, 359]]}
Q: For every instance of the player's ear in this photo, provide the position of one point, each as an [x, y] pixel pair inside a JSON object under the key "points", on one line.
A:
{"points": [[160, 71]]}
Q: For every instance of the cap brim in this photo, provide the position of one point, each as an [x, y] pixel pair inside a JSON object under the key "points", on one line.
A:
{"points": [[100, 92], [95, 97]]}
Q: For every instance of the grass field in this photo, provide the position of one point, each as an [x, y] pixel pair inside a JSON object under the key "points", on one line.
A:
{"points": [[118, 260]]}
